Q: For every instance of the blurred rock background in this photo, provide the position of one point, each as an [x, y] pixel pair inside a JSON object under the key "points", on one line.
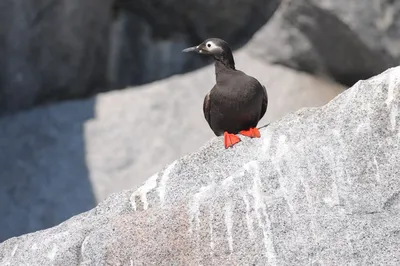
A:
{"points": [[96, 95]]}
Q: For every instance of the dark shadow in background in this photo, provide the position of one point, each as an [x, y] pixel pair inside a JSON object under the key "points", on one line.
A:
{"points": [[148, 36], [341, 53], [44, 179]]}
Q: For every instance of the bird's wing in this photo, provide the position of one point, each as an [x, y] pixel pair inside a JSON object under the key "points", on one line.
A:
{"points": [[206, 108], [264, 102]]}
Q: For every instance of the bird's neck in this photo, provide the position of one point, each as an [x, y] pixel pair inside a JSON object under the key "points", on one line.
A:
{"points": [[223, 64]]}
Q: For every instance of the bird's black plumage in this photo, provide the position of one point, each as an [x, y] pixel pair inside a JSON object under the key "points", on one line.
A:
{"points": [[237, 101]]}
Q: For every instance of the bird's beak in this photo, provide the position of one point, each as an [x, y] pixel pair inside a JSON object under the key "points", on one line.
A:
{"points": [[192, 49], [200, 49]]}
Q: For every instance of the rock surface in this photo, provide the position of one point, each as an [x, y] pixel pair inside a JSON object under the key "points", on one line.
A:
{"points": [[136, 57], [57, 50], [59, 160], [344, 40], [376, 22], [148, 36], [320, 187], [52, 50]]}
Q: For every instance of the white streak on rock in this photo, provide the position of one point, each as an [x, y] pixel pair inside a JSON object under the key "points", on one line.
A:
{"points": [[194, 206], [52, 254], [163, 182], [335, 194], [338, 163], [229, 180], [259, 205], [210, 225], [249, 220], [377, 176], [34, 246], [393, 83], [83, 246], [229, 223], [14, 250], [285, 192], [283, 148], [308, 193], [390, 91], [142, 191], [363, 127], [311, 208], [266, 145]]}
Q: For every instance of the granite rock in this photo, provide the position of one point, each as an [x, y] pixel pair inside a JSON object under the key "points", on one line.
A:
{"points": [[376, 22], [319, 187], [343, 40], [60, 160]]}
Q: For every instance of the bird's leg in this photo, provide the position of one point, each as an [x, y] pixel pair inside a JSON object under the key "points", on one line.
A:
{"points": [[251, 132], [230, 139]]}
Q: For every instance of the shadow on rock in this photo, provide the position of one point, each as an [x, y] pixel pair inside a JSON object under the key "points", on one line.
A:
{"points": [[147, 37], [309, 38], [44, 178]]}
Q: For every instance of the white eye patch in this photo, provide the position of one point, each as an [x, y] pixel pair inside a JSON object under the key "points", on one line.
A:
{"points": [[210, 46]]}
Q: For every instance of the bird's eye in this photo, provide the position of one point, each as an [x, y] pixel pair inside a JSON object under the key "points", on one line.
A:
{"points": [[208, 44]]}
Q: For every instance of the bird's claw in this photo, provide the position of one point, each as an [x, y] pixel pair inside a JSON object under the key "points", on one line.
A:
{"points": [[251, 133], [230, 139]]}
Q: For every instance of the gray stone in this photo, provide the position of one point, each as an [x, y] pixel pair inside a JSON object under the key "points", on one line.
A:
{"points": [[52, 50], [331, 38], [320, 187], [59, 160], [136, 57], [201, 19], [376, 22], [56, 50], [148, 36]]}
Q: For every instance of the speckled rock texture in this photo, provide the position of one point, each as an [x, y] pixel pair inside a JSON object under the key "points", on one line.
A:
{"points": [[344, 40], [320, 187], [61, 160]]}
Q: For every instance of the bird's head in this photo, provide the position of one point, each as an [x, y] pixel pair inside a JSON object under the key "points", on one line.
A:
{"points": [[217, 48], [211, 46]]}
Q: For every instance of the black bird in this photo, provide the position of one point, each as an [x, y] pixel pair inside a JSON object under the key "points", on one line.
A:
{"points": [[237, 101]]}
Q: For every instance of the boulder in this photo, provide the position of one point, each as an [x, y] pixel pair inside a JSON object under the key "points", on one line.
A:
{"points": [[375, 22], [148, 36], [344, 40], [60, 160], [319, 187], [136, 57], [52, 50]]}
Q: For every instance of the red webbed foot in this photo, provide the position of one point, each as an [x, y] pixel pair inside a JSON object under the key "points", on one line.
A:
{"points": [[230, 139], [251, 132]]}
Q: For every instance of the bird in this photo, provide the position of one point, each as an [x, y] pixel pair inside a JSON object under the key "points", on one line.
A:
{"points": [[237, 102]]}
